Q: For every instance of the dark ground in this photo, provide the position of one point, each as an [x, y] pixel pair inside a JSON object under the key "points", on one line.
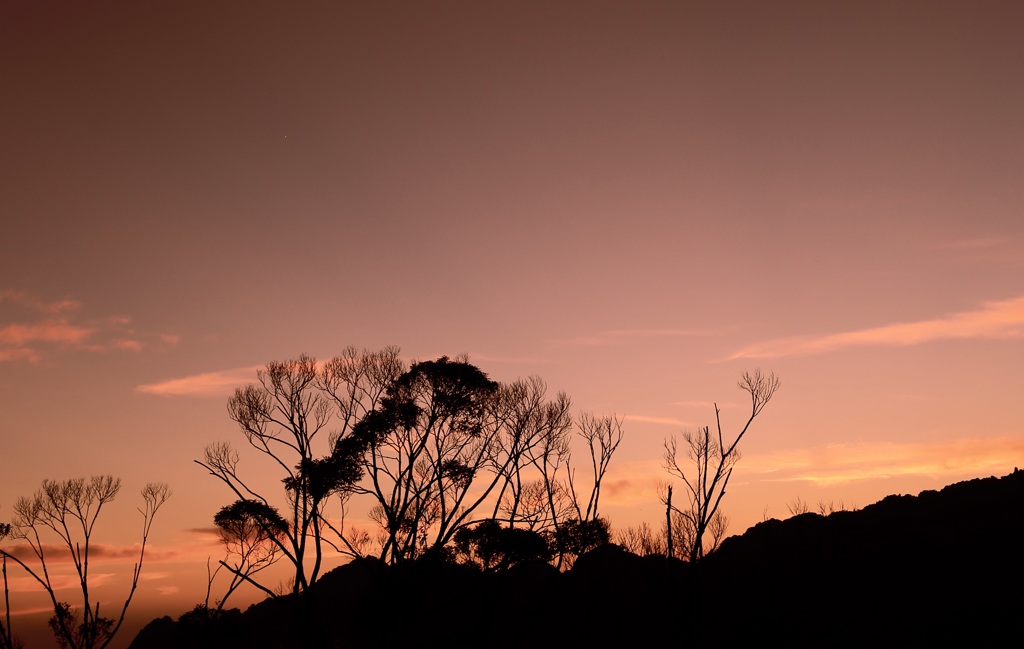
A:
{"points": [[941, 568]]}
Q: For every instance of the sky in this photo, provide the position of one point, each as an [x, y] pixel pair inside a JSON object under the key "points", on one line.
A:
{"points": [[635, 201]]}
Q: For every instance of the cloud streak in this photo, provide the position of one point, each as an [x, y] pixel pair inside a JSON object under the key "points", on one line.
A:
{"points": [[32, 329], [57, 553], [971, 244], [26, 300], [630, 484], [48, 331], [59, 583], [992, 320], [622, 336], [207, 384], [845, 463], [665, 421]]}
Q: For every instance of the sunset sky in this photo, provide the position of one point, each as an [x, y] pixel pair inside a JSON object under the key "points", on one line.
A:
{"points": [[635, 201]]}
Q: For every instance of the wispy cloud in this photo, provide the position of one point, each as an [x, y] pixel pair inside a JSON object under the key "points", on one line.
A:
{"points": [[32, 329], [207, 384], [1002, 250], [155, 576], [58, 331], [842, 463], [637, 482], [971, 244], [18, 354], [29, 301], [667, 421], [59, 582], [511, 360], [705, 405], [623, 336], [127, 344], [998, 319], [632, 483], [57, 553]]}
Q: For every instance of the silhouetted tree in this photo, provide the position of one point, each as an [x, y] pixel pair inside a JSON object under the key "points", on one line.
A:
{"points": [[707, 468], [575, 537], [603, 435], [69, 509], [641, 540], [798, 506], [435, 448], [536, 426], [6, 639], [283, 416], [356, 383], [542, 502], [447, 443], [251, 532], [433, 437], [556, 496], [492, 547]]}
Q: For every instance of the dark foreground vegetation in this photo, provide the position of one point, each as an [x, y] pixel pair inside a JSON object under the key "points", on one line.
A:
{"points": [[943, 567]]}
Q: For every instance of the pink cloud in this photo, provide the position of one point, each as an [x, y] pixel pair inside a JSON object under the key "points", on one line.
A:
{"points": [[629, 484], [24, 299], [43, 328], [621, 336], [513, 360], [708, 405], [667, 421], [971, 244], [19, 354], [57, 553], [127, 344], [63, 305], [207, 384], [984, 250], [999, 319], [50, 331], [26, 584]]}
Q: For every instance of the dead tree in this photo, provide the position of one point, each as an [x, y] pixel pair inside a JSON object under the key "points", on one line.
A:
{"points": [[69, 509], [707, 467]]}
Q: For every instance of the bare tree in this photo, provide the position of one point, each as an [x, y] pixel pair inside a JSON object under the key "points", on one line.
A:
{"points": [[708, 464], [286, 416], [435, 454], [798, 506], [530, 505], [603, 435], [538, 441], [435, 448], [550, 457], [69, 509], [6, 639], [554, 500], [831, 507], [642, 540], [447, 444], [251, 534]]}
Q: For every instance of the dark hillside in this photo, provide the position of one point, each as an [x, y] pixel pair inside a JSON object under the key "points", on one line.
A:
{"points": [[943, 567]]}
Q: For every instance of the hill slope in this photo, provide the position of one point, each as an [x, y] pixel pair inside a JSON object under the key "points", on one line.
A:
{"points": [[941, 567]]}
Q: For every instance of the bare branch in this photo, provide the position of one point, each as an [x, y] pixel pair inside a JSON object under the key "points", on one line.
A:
{"points": [[709, 463]]}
